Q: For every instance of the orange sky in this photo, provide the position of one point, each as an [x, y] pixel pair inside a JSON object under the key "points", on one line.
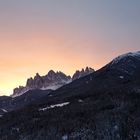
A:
{"points": [[36, 36], [21, 59]]}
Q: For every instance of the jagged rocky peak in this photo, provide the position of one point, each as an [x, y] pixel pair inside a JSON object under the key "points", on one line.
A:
{"points": [[29, 82], [19, 91], [37, 76], [78, 74], [89, 70], [63, 76], [51, 73], [57, 76], [52, 80]]}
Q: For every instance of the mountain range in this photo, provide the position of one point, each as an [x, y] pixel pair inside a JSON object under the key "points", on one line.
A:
{"points": [[53, 80], [37, 88], [103, 105]]}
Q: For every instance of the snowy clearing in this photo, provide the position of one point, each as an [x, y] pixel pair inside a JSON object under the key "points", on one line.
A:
{"points": [[53, 106], [4, 110]]}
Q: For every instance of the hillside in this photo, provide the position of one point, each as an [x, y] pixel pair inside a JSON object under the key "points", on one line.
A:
{"points": [[104, 105]]}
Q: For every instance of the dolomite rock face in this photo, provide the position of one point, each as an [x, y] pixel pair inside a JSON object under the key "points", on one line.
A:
{"points": [[53, 80], [78, 74]]}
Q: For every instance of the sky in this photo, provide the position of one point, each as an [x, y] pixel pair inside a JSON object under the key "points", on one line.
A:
{"points": [[64, 35]]}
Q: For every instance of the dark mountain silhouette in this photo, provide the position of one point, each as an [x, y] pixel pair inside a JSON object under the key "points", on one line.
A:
{"points": [[8, 103], [33, 91], [104, 105]]}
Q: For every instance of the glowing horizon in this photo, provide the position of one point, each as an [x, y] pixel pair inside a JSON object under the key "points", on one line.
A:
{"points": [[36, 36]]}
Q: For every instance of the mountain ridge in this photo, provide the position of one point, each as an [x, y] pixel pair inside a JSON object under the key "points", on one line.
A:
{"points": [[102, 105], [53, 80]]}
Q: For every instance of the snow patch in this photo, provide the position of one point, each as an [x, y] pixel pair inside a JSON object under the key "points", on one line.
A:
{"points": [[56, 86], [121, 77], [19, 94], [69, 81], [91, 78], [134, 54], [53, 106], [80, 101], [15, 129], [4, 110], [52, 87], [65, 137]]}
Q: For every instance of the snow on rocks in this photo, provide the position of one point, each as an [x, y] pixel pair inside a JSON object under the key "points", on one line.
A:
{"points": [[19, 94], [4, 110], [80, 101], [65, 137], [53, 106], [121, 77], [134, 54]]}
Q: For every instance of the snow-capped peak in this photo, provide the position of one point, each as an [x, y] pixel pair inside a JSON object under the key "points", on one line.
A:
{"points": [[127, 63], [130, 54]]}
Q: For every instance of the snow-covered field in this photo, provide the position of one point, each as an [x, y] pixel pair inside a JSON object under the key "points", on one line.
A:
{"points": [[53, 106]]}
